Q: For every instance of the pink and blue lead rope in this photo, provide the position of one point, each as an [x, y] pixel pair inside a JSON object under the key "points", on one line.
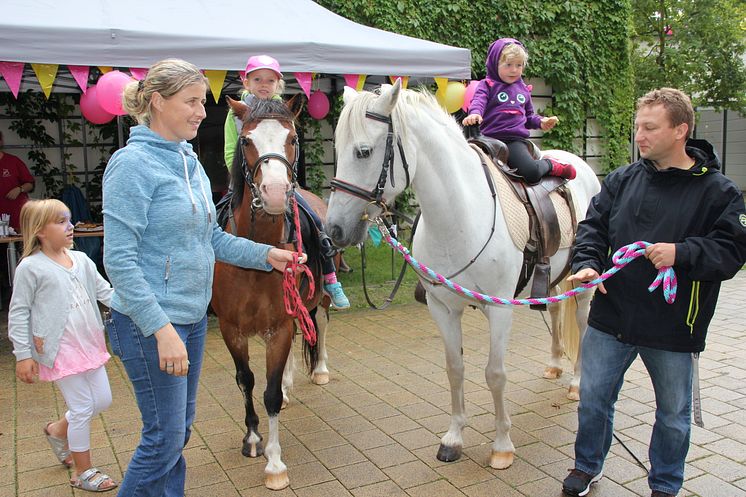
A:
{"points": [[621, 258]]}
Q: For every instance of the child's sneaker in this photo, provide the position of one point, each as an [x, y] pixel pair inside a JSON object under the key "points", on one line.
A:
{"points": [[339, 299], [561, 169]]}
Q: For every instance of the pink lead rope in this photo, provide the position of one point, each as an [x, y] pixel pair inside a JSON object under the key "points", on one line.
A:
{"points": [[293, 301]]}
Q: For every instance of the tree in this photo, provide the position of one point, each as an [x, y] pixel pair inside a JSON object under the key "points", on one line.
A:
{"points": [[697, 46]]}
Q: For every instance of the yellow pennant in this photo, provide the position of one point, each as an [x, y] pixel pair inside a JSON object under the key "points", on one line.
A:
{"points": [[360, 82], [45, 73], [216, 78], [442, 83], [104, 69]]}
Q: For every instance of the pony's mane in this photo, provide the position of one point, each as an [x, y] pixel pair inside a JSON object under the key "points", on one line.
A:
{"points": [[352, 120], [258, 109]]}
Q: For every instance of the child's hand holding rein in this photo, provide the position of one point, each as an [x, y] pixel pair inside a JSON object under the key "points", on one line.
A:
{"points": [[548, 123], [27, 370]]}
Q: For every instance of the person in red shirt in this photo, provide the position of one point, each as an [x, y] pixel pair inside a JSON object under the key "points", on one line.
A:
{"points": [[15, 183]]}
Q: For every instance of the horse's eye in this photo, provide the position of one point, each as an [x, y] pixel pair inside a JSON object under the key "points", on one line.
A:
{"points": [[362, 152], [244, 141]]}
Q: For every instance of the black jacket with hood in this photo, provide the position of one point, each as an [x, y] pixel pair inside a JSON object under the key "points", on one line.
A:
{"points": [[701, 211]]}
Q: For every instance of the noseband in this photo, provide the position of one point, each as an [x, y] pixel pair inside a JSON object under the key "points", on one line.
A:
{"points": [[375, 196], [250, 174]]}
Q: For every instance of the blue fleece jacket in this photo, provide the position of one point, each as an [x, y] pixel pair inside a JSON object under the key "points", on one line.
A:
{"points": [[161, 239]]}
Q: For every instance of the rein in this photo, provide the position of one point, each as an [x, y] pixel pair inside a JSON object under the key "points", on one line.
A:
{"points": [[621, 258]]}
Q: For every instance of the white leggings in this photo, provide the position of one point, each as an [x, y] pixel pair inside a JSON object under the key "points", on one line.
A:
{"points": [[86, 394]]}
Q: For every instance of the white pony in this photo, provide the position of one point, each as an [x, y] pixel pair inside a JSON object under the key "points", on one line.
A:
{"points": [[457, 206]]}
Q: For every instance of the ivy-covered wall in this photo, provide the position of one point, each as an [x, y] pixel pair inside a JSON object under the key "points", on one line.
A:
{"points": [[580, 48]]}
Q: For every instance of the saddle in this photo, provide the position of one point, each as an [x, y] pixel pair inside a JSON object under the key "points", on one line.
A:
{"points": [[544, 228]]}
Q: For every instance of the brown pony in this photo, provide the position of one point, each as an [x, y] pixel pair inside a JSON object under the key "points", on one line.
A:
{"points": [[250, 302]]}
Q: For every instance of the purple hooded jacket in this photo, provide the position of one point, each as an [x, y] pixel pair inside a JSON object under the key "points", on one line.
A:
{"points": [[506, 109]]}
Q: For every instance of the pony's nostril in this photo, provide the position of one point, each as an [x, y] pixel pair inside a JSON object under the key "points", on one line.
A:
{"points": [[335, 232]]}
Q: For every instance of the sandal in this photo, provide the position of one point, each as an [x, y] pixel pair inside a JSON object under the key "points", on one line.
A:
{"points": [[91, 480], [59, 447]]}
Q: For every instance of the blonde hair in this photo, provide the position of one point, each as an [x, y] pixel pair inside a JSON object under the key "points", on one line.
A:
{"points": [[35, 214], [678, 105], [166, 77], [513, 51]]}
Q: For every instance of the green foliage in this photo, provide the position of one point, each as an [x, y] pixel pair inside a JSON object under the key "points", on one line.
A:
{"points": [[694, 45], [28, 116], [580, 48]]}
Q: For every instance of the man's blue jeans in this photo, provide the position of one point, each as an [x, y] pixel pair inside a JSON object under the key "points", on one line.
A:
{"points": [[605, 360], [167, 405]]}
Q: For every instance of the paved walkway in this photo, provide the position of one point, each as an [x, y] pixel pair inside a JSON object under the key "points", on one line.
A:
{"points": [[374, 430]]}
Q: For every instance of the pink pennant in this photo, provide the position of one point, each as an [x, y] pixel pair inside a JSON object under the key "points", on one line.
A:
{"points": [[80, 74], [13, 73], [305, 79], [138, 73], [351, 80], [242, 74]]}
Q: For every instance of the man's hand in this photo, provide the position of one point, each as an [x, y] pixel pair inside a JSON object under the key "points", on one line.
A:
{"points": [[586, 275], [548, 123], [661, 254], [26, 370], [472, 119]]}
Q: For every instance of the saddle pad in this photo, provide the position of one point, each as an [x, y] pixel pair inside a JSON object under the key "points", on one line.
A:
{"points": [[517, 218]]}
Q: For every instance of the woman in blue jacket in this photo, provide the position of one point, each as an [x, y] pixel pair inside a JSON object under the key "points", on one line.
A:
{"points": [[161, 242]]}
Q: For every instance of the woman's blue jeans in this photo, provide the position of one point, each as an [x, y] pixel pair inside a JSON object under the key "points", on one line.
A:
{"points": [[605, 360], [167, 405]]}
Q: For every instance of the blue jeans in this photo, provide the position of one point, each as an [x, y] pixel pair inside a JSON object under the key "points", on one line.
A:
{"points": [[605, 360], [167, 405]]}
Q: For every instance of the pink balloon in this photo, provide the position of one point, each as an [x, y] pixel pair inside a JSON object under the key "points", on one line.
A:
{"points": [[91, 109], [318, 105], [469, 94], [110, 88]]}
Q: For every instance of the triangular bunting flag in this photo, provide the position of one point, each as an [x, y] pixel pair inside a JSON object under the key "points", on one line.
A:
{"points": [[80, 74], [216, 79], [13, 73], [138, 73], [442, 83], [404, 80], [305, 80], [242, 75], [105, 69], [46, 73]]}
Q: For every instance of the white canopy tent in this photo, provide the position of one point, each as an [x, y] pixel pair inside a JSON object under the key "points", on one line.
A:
{"points": [[215, 34]]}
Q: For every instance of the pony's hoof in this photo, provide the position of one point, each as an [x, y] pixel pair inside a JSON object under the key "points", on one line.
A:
{"points": [[320, 378], [552, 372], [285, 402], [448, 454], [501, 460], [278, 481], [252, 449], [573, 393]]}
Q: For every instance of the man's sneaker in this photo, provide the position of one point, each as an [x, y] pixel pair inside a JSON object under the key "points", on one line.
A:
{"points": [[561, 169], [578, 483], [658, 493], [339, 299]]}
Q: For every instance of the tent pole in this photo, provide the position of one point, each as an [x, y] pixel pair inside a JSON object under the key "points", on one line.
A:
{"points": [[120, 132]]}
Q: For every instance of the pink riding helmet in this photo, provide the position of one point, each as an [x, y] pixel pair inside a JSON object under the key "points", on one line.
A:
{"points": [[257, 62]]}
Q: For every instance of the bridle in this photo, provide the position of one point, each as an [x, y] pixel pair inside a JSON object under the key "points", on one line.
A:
{"points": [[375, 195], [250, 173]]}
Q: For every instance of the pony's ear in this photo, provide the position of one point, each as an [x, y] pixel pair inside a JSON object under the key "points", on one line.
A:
{"points": [[349, 95], [239, 108], [295, 104], [389, 96]]}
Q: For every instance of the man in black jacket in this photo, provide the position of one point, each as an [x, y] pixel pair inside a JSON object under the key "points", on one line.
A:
{"points": [[676, 198]]}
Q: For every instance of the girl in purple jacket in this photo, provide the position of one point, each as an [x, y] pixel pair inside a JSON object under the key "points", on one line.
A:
{"points": [[502, 105]]}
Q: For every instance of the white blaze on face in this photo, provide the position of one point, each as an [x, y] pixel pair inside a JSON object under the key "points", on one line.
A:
{"points": [[270, 137]]}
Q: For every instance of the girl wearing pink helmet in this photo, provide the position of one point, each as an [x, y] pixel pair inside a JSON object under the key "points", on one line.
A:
{"points": [[264, 81]]}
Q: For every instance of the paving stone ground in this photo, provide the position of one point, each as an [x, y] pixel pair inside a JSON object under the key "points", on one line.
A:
{"points": [[374, 429]]}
